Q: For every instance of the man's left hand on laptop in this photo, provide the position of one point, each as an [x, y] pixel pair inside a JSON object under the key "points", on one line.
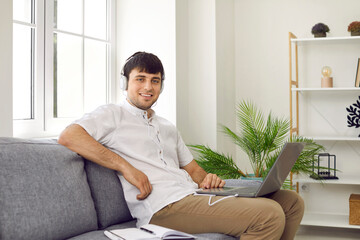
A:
{"points": [[212, 181]]}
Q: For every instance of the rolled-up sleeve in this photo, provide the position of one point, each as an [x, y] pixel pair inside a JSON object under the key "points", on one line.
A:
{"points": [[98, 123], [183, 152]]}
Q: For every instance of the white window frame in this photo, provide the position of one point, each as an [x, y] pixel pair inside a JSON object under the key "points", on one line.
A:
{"points": [[34, 127], [44, 124]]}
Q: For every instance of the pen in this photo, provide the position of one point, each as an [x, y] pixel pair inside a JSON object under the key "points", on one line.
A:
{"points": [[147, 230]]}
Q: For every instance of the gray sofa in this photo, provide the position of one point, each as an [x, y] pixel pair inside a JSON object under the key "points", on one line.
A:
{"points": [[49, 192]]}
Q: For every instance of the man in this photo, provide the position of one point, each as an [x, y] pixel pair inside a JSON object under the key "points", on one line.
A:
{"points": [[158, 173]]}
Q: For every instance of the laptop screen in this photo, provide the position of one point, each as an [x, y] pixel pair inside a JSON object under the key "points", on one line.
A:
{"points": [[281, 168]]}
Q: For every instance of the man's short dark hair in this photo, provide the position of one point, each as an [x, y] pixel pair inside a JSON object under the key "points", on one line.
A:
{"points": [[144, 62]]}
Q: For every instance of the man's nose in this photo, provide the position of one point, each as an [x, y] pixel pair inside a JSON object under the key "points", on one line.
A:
{"points": [[148, 85]]}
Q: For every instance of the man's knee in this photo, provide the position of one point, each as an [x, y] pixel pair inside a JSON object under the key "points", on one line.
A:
{"points": [[278, 219], [296, 203], [269, 225], [299, 203], [272, 220]]}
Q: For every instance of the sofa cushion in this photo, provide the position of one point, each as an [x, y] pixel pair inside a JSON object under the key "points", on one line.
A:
{"points": [[108, 195], [44, 192], [99, 235]]}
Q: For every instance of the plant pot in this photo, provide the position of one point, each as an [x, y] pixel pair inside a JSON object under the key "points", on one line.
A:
{"points": [[355, 33], [251, 177], [317, 35]]}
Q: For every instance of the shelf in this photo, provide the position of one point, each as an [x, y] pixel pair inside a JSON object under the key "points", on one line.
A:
{"points": [[340, 181], [304, 41], [317, 138], [334, 89], [327, 220]]}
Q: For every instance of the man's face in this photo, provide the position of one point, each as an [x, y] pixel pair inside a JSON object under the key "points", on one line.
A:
{"points": [[143, 88]]}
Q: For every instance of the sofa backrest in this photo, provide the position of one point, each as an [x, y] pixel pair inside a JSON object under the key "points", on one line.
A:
{"points": [[108, 196], [44, 193]]}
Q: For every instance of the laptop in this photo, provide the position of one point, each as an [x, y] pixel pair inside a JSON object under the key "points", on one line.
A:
{"points": [[272, 182]]}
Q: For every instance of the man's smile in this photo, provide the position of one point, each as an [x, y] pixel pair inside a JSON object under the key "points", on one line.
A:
{"points": [[146, 94]]}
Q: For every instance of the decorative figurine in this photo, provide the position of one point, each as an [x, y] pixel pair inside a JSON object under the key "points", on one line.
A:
{"points": [[353, 119], [320, 30], [325, 173], [354, 28]]}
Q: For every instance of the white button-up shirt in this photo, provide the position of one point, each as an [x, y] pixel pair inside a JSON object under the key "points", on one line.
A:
{"points": [[152, 145]]}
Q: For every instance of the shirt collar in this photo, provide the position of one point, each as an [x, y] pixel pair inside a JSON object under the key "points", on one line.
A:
{"points": [[137, 111]]}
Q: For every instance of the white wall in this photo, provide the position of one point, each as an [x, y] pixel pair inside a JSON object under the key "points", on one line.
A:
{"points": [[205, 71], [201, 72], [6, 124], [149, 26]]}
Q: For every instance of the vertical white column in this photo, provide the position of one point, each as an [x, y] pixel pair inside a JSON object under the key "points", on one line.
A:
{"points": [[182, 74], [225, 73], [205, 71], [196, 69]]}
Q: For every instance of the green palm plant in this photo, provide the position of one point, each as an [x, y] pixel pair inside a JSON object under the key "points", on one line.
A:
{"points": [[262, 140]]}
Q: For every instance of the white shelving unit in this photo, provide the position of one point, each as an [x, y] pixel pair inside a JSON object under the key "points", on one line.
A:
{"points": [[343, 181], [326, 201], [352, 89], [304, 41], [332, 138], [327, 220]]}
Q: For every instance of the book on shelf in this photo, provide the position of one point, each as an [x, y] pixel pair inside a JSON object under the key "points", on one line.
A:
{"points": [[148, 231], [357, 75]]}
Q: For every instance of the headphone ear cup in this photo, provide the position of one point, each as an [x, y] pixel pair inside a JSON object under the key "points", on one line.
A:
{"points": [[162, 86], [123, 83]]}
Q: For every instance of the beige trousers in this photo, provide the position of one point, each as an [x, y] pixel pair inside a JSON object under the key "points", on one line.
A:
{"points": [[276, 216]]}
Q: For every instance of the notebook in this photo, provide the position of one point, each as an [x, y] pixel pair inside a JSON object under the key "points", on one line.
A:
{"points": [[272, 182], [148, 231]]}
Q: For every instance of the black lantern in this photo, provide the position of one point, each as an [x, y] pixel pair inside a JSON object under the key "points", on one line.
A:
{"points": [[323, 172]]}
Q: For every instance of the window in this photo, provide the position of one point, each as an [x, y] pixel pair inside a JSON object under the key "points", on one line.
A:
{"points": [[63, 62], [24, 30]]}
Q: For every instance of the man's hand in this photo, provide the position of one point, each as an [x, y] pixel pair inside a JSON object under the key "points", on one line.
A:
{"points": [[139, 180], [212, 181], [202, 178]]}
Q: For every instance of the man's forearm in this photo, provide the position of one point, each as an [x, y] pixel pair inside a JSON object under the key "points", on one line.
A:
{"points": [[198, 175], [78, 140], [196, 172], [202, 178]]}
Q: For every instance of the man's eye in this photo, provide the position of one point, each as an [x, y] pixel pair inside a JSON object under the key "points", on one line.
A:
{"points": [[156, 81], [139, 79]]}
